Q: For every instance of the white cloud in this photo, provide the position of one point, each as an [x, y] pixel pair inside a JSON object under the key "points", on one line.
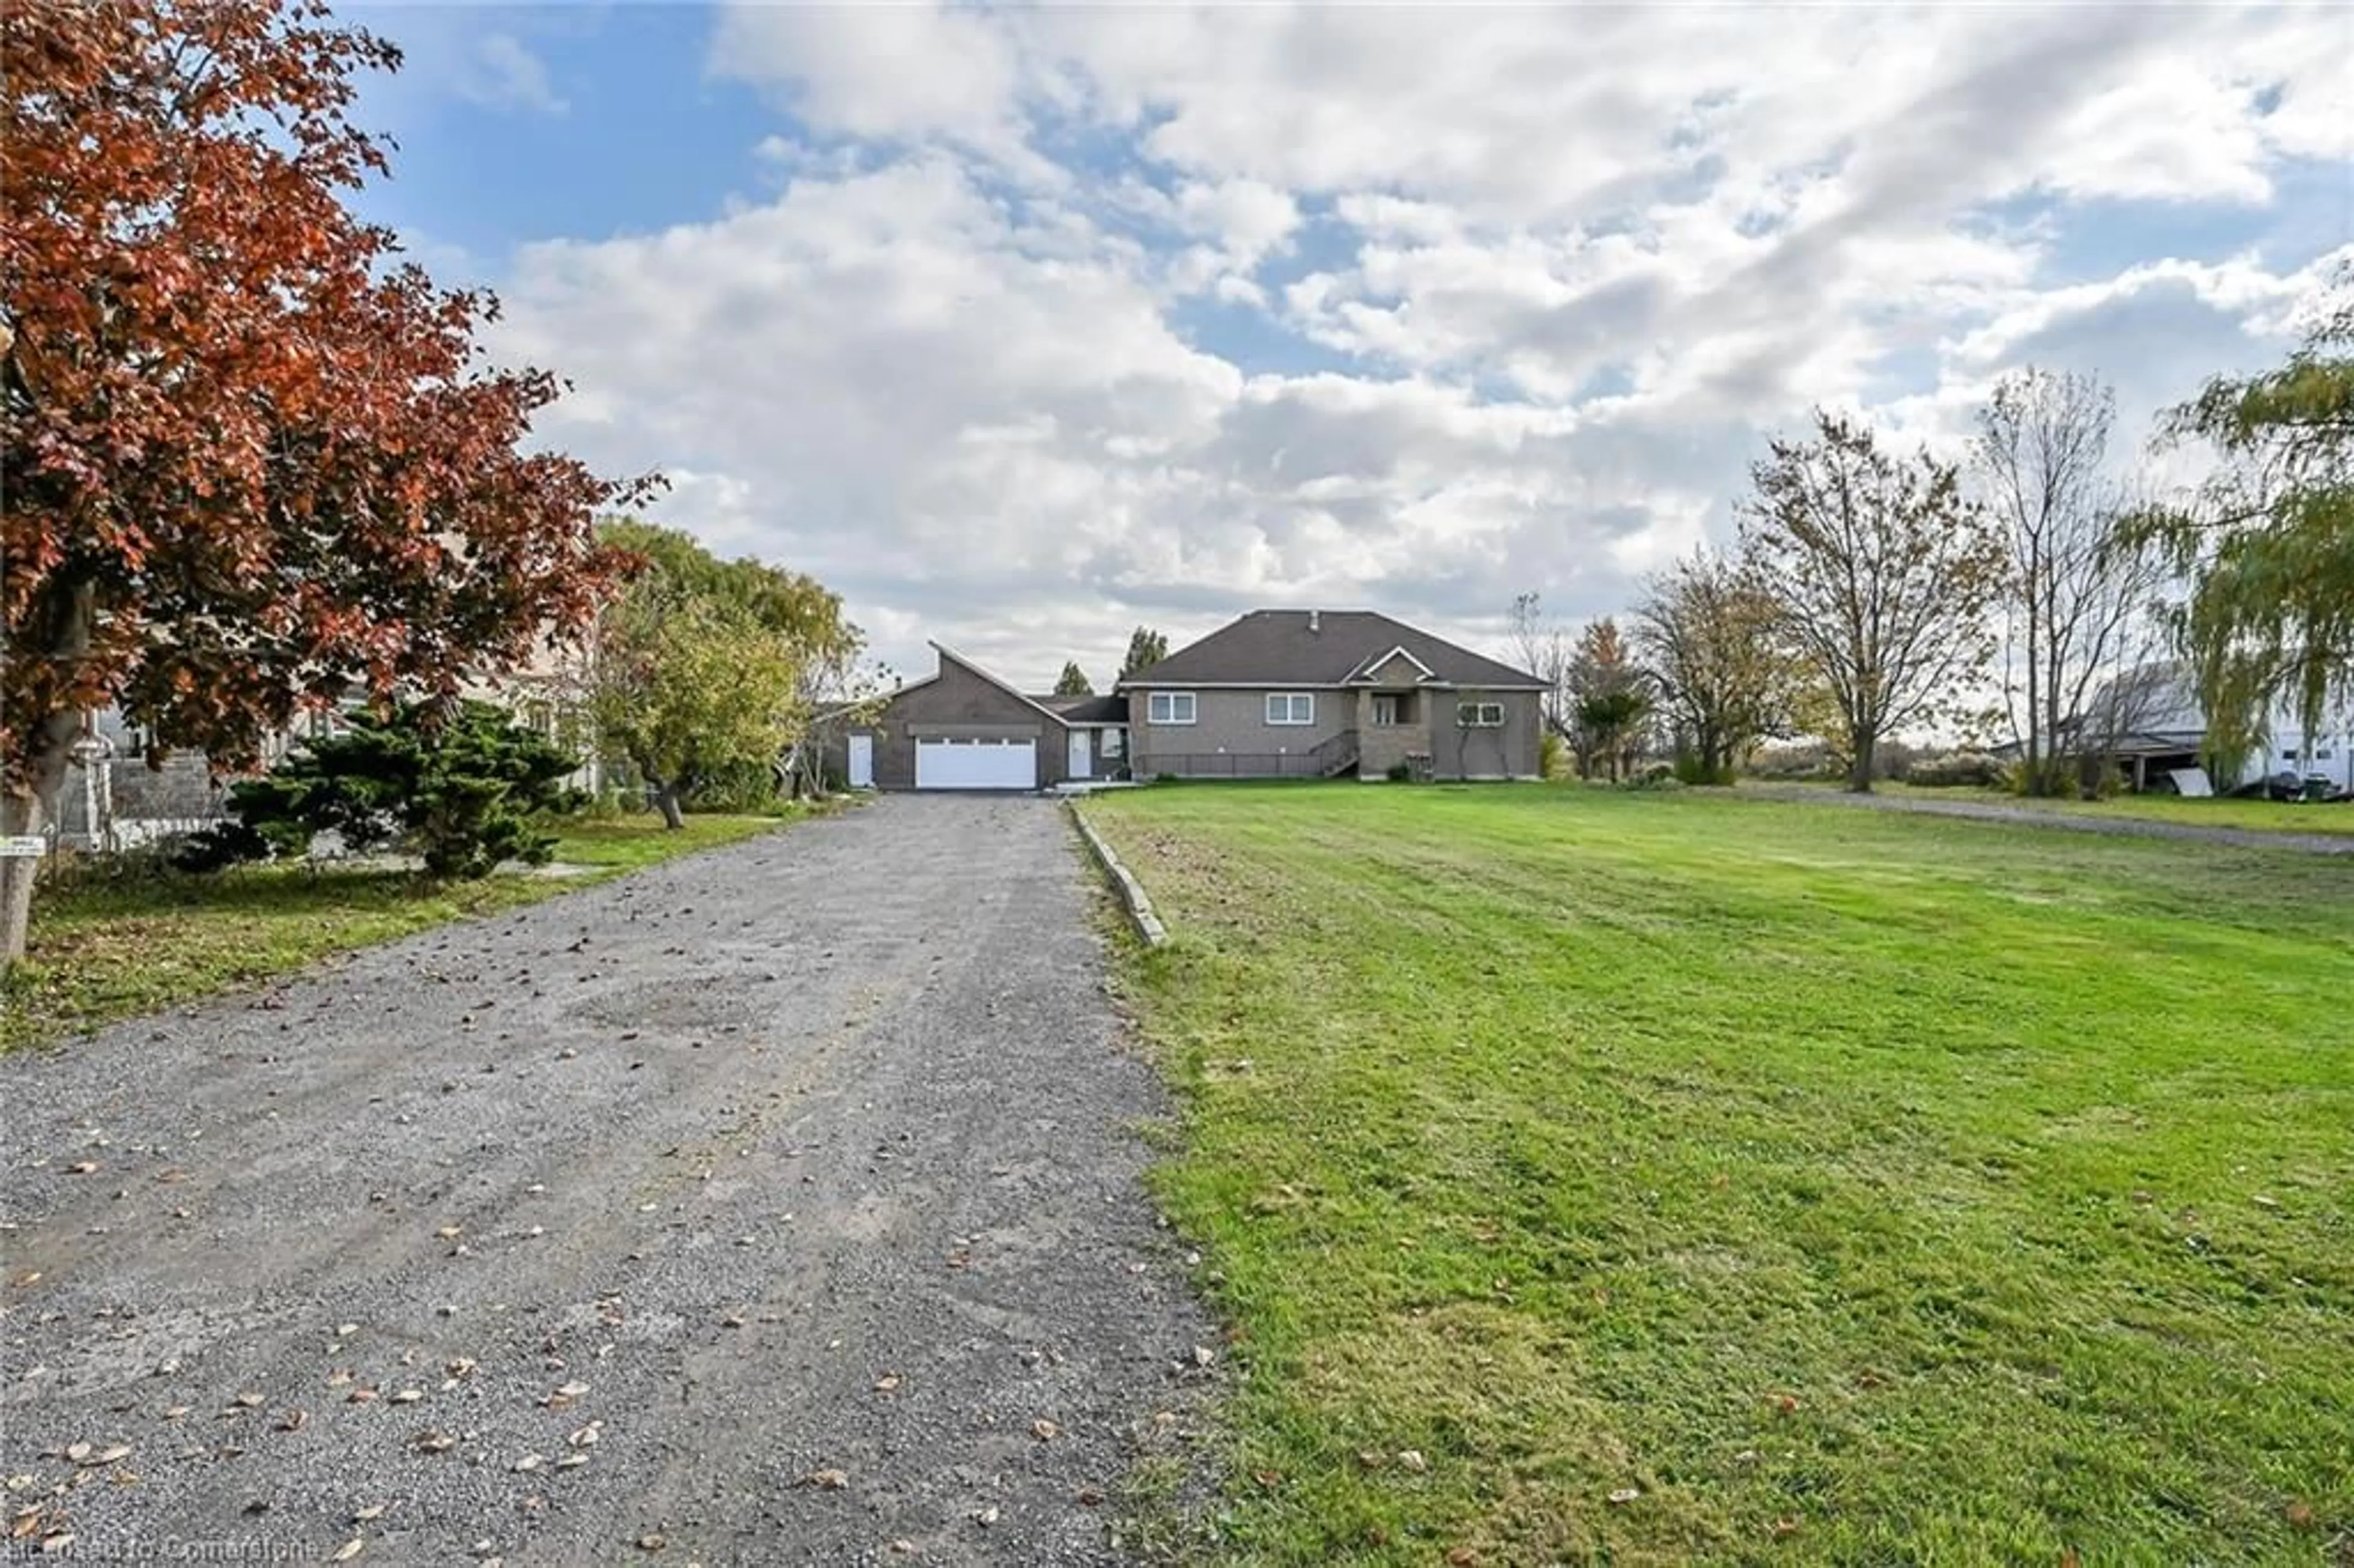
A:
{"points": [[505, 74], [1510, 296]]}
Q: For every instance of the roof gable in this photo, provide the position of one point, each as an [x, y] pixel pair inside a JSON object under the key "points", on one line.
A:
{"points": [[1322, 648], [1371, 669], [952, 656]]}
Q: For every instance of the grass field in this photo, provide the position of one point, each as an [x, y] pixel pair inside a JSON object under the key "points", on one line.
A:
{"points": [[1592, 1176], [2258, 816], [103, 950]]}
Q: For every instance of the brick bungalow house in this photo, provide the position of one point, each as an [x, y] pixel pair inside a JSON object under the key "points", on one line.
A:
{"points": [[1276, 693]]}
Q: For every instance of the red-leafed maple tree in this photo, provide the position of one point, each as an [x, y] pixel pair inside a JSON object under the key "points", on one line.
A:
{"points": [[252, 463]]}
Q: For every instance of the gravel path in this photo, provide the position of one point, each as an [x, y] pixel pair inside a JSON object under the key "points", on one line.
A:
{"points": [[2132, 827], [777, 1205]]}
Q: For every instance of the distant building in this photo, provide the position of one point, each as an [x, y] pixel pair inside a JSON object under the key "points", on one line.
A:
{"points": [[2148, 721]]}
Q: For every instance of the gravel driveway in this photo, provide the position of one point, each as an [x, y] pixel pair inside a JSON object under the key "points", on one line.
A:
{"points": [[777, 1205]]}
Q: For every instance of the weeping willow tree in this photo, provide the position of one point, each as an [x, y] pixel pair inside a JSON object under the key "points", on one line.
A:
{"points": [[2267, 544]]}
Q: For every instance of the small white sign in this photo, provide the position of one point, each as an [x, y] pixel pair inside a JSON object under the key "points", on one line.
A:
{"points": [[24, 846]]}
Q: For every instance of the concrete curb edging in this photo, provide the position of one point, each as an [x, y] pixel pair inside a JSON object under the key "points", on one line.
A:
{"points": [[1131, 892]]}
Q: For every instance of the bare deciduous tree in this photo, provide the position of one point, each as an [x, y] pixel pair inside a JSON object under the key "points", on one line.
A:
{"points": [[2079, 587], [1543, 652], [1885, 573], [1711, 632]]}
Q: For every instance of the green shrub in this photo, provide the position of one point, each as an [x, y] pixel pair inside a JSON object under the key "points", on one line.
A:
{"points": [[223, 844], [737, 788], [1399, 773], [1553, 757], [1687, 768], [464, 788]]}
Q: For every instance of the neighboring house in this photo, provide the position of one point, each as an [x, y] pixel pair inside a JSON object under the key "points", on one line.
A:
{"points": [[2149, 722], [963, 728], [1290, 693], [111, 800]]}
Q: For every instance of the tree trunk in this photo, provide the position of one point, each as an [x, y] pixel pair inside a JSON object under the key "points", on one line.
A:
{"points": [[666, 803], [59, 628], [1861, 745], [30, 809], [18, 814]]}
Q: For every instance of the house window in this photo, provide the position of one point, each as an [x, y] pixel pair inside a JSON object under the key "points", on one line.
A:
{"points": [[1169, 707], [1292, 707], [1114, 742], [1479, 715], [1385, 712]]}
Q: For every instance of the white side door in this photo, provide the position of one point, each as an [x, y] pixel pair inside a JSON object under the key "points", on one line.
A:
{"points": [[1082, 754], [862, 762]]}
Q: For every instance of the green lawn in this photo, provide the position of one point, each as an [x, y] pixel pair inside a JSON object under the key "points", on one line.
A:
{"points": [[1825, 1186], [2261, 816], [105, 949]]}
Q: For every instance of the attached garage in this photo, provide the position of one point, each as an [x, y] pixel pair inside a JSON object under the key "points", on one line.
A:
{"points": [[960, 728], [976, 762]]}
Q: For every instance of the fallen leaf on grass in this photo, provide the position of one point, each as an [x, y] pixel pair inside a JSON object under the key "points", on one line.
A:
{"points": [[1626, 1494], [1412, 1459]]}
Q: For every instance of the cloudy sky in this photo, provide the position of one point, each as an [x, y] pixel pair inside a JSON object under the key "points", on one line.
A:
{"points": [[1020, 326]]}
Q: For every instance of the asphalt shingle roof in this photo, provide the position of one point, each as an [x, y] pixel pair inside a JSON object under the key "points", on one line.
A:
{"points": [[1098, 709], [1278, 647]]}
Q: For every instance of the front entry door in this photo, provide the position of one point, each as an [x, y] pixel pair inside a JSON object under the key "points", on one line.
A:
{"points": [[862, 762], [1082, 758]]}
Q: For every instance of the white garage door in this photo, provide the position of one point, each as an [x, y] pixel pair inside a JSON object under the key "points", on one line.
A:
{"points": [[978, 764]]}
